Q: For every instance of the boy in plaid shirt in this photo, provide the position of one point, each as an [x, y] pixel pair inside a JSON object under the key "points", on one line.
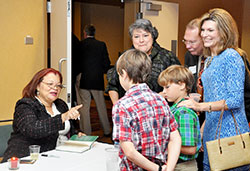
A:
{"points": [[143, 123], [177, 82]]}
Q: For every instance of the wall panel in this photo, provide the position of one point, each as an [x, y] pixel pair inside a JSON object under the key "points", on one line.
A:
{"points": [[19, 62]]}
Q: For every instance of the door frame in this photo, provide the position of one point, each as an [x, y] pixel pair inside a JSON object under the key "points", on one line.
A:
{"points": [[60, 43]]}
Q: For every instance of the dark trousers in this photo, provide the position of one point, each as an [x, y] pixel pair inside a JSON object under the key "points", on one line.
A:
{"points": [[199, 161]]}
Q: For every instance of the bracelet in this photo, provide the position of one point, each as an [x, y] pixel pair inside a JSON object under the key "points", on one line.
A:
{"points": [[210, 108]]}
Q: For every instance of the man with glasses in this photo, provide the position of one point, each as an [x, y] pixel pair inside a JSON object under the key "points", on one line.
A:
{"points": [[194, 45], [194, 60]]}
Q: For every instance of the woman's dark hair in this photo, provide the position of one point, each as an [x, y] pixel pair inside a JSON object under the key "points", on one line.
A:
{"points": [[29, 90], [143, 24]]}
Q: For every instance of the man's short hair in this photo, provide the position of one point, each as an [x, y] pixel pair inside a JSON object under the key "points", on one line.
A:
{"points": [[176, 74], [89, 30], [193, 24], [136, 63]]}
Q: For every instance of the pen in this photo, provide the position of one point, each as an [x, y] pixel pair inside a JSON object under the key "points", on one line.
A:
{"points": [[49, 155]]}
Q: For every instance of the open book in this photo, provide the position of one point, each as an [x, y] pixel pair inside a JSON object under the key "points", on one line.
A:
{"points": [[77, 144]]}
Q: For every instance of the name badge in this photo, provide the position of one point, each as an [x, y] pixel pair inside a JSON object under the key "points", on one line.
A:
{"points": [[192, 69]]}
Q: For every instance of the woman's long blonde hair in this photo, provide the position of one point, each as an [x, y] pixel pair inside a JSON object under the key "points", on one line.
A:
{"points": [[227, 28]]}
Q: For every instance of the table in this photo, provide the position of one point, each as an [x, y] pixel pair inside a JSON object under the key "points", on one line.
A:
{"points": [[91, 160]]}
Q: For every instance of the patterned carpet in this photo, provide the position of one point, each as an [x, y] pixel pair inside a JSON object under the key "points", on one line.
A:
{"points": [[95, 122]]}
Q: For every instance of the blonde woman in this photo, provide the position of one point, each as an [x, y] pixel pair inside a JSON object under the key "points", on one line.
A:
{"points": [[223, 78]]}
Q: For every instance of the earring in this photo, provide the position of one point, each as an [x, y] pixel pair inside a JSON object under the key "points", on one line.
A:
{"points": [[37, 93]]}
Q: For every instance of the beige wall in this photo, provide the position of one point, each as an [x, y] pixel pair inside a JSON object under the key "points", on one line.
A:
{"points": [[166, 21], [108, 21], [19, 62]]}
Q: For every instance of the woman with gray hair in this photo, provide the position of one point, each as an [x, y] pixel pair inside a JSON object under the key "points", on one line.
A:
{"points": [[143, 36]]}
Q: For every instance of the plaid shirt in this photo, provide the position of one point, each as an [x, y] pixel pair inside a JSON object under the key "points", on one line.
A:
{"points": [[189, 128], [143, 118]]}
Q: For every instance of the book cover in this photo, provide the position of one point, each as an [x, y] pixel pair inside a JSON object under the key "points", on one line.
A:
{"points": [[77, 144]]}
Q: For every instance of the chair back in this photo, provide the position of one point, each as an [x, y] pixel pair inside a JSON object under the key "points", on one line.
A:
{"points": [[5, 131]]}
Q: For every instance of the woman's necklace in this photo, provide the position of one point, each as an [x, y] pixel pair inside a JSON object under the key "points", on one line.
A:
{"points": [[209, 61]]}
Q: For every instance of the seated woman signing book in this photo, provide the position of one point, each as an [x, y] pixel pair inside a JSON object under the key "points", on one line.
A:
{"points": [[40, 115]]}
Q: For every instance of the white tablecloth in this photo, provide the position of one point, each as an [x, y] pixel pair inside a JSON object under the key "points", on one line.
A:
{"points": [[92, 160]]}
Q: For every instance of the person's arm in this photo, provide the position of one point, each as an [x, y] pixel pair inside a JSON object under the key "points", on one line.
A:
{"points": [[72, 113], [32, 121], [113, 96], [137, 158], [113, 85], [204, 106], [202, 128], [106, 60], [174, 147], [81, 134], [188, 122], [188, 150]]}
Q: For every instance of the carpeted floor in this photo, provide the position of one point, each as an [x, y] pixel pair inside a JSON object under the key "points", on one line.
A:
{"points": [[95, 122]]}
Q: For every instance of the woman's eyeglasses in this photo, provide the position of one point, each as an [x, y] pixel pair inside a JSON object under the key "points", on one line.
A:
{"points": [[52, 86]]}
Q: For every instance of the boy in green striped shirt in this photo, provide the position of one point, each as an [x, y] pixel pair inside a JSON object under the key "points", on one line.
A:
{"points": [[177, 82]]}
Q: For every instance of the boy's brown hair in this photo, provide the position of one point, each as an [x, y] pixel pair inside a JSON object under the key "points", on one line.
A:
{"points": [[136, 63], [176, 74]]}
